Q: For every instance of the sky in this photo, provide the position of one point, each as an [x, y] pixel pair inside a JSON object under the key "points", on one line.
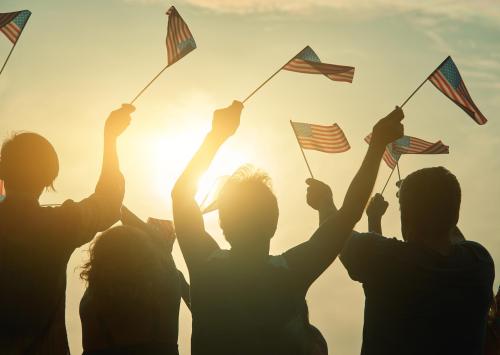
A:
{"points": [[78, 60]]}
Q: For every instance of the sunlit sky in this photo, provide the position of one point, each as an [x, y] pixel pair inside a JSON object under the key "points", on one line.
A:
{"points": [[78, 60]]}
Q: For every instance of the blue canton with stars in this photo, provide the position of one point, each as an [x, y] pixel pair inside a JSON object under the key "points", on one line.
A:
{"points": [[309, 55], [451, 73], [21, 19]]}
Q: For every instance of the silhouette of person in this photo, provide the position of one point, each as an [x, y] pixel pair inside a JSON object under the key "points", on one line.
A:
{"points": [[429, 294], [131, 304], [36, 242], [245, 301], [492, 341]]}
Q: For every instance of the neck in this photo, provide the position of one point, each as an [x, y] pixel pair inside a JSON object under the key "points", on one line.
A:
{"points": [[16, 195], [251, 252], [438, 242]]}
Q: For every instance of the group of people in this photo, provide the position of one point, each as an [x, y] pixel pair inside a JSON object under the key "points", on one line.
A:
{"points": [[428, 294]]}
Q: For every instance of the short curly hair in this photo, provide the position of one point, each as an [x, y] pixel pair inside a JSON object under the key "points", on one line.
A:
{"points": [[248, 206]]}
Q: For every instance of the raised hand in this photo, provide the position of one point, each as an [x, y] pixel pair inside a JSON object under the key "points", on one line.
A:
{"points": [[388, 129], [118, 121], [377, 206], [227, 120], [319, 195]]}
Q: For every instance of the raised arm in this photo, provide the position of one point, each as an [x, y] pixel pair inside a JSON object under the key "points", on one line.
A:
{"points": [[319, 197], [375, 210], [82, 220], [312, 257], [196, 244]]}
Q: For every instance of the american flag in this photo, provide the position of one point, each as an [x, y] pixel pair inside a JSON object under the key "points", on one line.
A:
{"points": [[180, 41], [328, 139], [2, 190], [447, 79], [307, 61], [390, 157], [412, 145], [12, 24]]}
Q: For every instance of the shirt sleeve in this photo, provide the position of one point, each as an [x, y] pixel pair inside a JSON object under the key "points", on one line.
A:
{"points": [[366, 256], [78, 222]]}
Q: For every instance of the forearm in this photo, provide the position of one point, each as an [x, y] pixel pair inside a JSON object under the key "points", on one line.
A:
{"points": [[362, 185], [375, 225], [324, 213], [187, 182], [110, 170]]}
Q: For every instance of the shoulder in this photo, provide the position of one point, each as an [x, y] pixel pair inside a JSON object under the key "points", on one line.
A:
{"points": [[475, 249], [373, 241]]}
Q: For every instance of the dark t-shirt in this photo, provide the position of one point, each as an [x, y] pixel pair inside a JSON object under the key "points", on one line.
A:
{"points": [[248, 309], [35, 246], [419, 301]]}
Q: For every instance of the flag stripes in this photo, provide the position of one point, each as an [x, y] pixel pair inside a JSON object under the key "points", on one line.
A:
{"points": [[447, 79], [308, 62], [180, 41], [12, 24], [332, 71], [412, 145], [390, 157], [327, 139]]}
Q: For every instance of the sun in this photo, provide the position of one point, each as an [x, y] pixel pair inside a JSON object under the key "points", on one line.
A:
{"points": [[172, 150]]}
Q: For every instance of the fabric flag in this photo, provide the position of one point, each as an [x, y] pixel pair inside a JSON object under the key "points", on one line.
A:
{"points": [[412, 145], [390, 157], [447, 79], [328, 139], [307, 61], [180, 41], [12, 24], [2, 190]]}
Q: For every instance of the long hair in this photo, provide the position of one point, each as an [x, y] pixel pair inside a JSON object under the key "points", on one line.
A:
{"points": [[123, 267]]}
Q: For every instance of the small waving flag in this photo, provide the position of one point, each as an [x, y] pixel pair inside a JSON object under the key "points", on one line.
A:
{"points": [[412, 145], [307, 61], [2, 190], [447, 79], [180, 41], [390, 157], [327, 139], [12, 24]]}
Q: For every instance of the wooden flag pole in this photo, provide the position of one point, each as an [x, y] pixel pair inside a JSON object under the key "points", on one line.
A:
{"points": [[301, 149], [268, 79], [422, 84], [8, 57], [399, 174], [388, 179], [149, 84]]}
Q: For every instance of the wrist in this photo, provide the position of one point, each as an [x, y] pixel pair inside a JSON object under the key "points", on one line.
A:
{"points": [[216, 138]]}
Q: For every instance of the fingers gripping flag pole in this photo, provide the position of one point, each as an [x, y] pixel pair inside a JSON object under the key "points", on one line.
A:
{"points": [[308, 62], [12, 25], [179, 41]]}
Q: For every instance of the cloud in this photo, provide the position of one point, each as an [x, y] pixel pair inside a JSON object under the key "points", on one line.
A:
{"points": [[457, 9]]}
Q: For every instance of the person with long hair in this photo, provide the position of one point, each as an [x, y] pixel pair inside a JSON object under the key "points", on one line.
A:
{"points": [[131, 304]]}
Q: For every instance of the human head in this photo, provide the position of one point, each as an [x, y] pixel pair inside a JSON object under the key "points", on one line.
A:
{"points": [[122, 261], [28, 163], [429, 200], [248, 209]]}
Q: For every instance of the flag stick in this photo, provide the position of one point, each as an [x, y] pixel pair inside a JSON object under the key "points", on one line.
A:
{"points": [[8, 57], [423, 82], [265, 82], [399, 174], [302, 150], [388, 179], [149, 84]]}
